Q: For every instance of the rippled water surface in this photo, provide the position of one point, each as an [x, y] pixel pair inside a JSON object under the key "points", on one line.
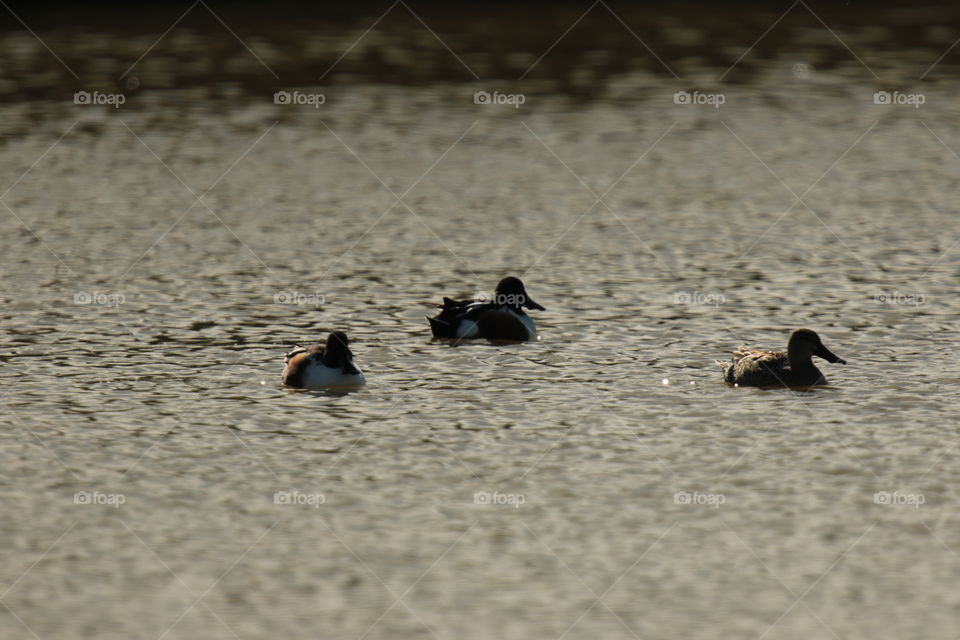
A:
{"points": [[150, 254]]}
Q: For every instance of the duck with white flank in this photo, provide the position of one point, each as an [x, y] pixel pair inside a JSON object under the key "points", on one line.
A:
{"points": [[795, 368], [501, 318], [329, 365]]}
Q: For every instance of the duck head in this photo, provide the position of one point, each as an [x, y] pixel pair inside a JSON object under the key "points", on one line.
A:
{"points": [[337, 353], [511, 292], [805, 343]]}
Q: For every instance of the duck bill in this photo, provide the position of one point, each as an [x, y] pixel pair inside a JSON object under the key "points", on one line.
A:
{"points": [[829, 356], [530, 304]]}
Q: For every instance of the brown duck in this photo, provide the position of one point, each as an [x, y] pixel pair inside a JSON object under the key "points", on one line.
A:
{"points": [[795, 368]]}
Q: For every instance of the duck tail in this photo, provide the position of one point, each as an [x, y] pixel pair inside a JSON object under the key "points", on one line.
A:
{"points": [[727, 368], [440, 328]]}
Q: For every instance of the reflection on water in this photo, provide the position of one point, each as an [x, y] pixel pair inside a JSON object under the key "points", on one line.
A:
{"points": [[160, 257]]}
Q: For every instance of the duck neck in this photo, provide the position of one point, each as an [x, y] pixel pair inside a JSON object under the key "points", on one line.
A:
{"points": [[799, 356]]}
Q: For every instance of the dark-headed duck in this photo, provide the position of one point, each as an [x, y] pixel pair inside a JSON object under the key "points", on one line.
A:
{"points": [[498, 318], [323, 365]]}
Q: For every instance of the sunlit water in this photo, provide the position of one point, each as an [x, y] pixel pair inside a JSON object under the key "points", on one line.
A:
{"points": [[151, 254]]}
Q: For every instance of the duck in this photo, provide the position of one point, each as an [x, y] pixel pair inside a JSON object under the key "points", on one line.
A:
{"points": [[326, 365], [499, 318], [795, 368]]}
